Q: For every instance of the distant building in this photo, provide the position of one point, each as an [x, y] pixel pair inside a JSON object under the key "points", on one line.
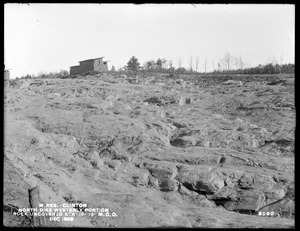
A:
{"points": [[97, 65], [6, 75]]}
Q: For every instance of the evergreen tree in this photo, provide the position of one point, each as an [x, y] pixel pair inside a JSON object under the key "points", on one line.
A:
{"points": [[133, 64]]}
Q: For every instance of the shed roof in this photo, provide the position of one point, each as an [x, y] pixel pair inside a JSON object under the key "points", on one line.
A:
{"points": [[91, 59]]}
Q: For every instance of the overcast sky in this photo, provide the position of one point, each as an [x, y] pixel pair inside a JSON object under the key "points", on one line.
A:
{"points": [[51, 37]]}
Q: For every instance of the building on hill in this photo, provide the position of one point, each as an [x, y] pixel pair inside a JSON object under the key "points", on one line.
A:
{"points": [[97, 65]]}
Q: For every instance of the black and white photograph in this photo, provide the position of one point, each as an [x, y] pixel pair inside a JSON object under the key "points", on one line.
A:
{"points": [[149, 115]]}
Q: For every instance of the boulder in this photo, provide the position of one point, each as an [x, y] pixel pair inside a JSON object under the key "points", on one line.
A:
{"points": [[228, 193], [107, 104], [274, 194], [181, 101], [91, 173], [255, 181], [153, 182], [154, 100], [25, 84], [250, 200], [53, 95], [99, 162], [36, 156], [161, 171], [157, 136], [184, 141], [204, 203], [209, 184], [112, 97], [204, 143], [122, 157], [169, 185], [140, 177], [233, 82], [202, 182], [95, 155], [166, 99], [185, 192], [105, 172], [63, 141], [195, 198], [113, 164], [240, 200], [90, 156], [253, 137], [189, 100]]}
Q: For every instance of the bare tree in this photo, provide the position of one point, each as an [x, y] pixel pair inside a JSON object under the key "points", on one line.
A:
{"points": [[281, 59], [242, 63], [197, 63], [213, 65], [236, 62], [227, 60], [205, 64], [164, 63], [191, 63], [179, 62], [273, 60], [220, 66]]}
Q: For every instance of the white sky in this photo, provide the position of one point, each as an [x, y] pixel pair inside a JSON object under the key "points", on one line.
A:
{"points": [[51, 37]]}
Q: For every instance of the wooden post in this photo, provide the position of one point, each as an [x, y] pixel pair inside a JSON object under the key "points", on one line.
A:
{"points": [[34, 201]]}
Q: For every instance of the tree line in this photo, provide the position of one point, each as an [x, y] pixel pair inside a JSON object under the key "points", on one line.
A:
{"points": [[227, 65], [44, 75], [263, 69]]}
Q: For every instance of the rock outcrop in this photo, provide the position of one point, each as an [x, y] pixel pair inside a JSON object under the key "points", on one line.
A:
{"points": [[212, 152]]}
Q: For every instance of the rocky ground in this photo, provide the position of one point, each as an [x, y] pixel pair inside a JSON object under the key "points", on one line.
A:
{"points": [[158, 150]]}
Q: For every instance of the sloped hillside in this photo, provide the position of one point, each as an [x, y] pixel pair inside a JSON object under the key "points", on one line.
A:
{"points": [[158, 151]]}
